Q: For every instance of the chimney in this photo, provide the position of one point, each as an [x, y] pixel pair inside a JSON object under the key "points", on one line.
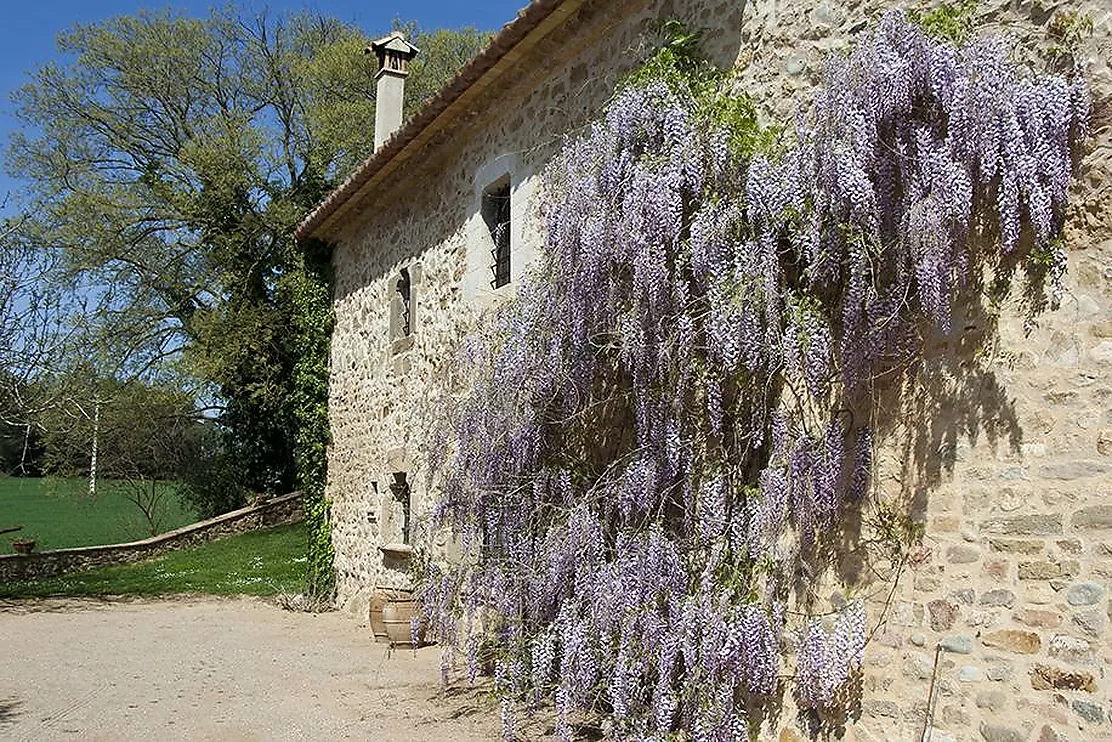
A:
{"points": [[393, 53]]}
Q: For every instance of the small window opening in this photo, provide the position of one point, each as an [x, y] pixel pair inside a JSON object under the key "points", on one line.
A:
{"points": [[400, 490], [496, 214], [405, 291]]}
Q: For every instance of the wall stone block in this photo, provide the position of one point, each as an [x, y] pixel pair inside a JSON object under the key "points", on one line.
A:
{"points": [[964, 596], [1086, 593], [1024, 525], [942, 614], [962, 554], [946, 524], [939, 735], [999, 670], [1056, 710], [1039, 570], [1050, 734], [889, 639], [1045, 677], [969, 674], [1072, 650], [998, 598], [1016, 546], [1070, 470], [1070, 546], [1038, 618], [1095, 517], [991, 700], [1013, 640], [1090, 712], [997, 569], [960, 644], [927, 583], [1093, 623], [1001, 733], [907, 614], [883, 709], [918, 666]]}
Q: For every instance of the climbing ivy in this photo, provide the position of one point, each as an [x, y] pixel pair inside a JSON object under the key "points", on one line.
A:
{"points": [[309, 290]]}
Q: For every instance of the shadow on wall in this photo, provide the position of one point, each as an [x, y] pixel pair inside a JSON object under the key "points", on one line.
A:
{"points": [[9, 709], [920, 415], [951, 396]]}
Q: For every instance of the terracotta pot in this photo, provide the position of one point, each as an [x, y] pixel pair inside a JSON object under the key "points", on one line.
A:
{"points": [[379, 599], [397, 615], [23, 546]]}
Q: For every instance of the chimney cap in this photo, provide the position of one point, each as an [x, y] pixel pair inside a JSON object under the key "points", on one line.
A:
{"points": [[395, 45]]}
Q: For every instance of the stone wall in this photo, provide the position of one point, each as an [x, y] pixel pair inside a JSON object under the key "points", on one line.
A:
{"points": [[274, 511], [428, 220], [1002, 617]]}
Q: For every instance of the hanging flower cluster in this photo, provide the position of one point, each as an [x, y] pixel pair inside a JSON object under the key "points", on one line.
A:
{"points": [[674, 415]]}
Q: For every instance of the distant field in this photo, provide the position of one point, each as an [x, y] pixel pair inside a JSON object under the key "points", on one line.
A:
{"points": [[266, 562], [58, 513]]}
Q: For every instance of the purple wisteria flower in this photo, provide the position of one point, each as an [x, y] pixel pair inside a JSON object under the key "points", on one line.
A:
{"points": [[667, 426]]}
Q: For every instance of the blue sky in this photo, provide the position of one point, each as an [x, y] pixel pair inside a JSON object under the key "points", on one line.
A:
{"points": [[29, 28]]}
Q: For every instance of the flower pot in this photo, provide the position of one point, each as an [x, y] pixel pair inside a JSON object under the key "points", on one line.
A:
{"points": [[23, 546], [397, 615], [379, 599]]}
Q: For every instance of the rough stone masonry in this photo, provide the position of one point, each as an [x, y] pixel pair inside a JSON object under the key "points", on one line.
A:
{"points": [[1010, 589]]}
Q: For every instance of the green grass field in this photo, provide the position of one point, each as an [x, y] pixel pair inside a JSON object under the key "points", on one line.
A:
{"points": [[58, 513], [258, 563]]}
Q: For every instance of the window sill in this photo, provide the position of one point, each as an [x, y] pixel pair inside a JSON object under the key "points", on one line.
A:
{"points": [[399, 552], [401, 345]]}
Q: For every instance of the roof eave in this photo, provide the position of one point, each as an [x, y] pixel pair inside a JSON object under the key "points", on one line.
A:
{"points": [[435, 114]]}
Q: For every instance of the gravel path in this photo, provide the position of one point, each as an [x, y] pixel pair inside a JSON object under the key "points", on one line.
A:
{"points": [[201, 668]]}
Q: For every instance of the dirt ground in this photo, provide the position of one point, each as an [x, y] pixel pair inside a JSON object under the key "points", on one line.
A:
{"points": [[210, 669]]}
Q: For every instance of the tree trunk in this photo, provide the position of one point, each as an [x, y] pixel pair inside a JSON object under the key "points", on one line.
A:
{"points": [[93, 455], [23, 456]]}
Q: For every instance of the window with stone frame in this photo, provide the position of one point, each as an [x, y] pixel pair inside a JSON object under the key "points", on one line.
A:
{"points": [[402, 493], [496, 214], [403, 306]]}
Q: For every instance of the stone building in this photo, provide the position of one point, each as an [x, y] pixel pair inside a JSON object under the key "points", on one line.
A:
{"points": [[1013, 579]]}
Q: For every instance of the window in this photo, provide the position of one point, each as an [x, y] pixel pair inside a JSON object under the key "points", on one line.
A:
{"points": [[496, 214], [400, 490], [404, 287]]}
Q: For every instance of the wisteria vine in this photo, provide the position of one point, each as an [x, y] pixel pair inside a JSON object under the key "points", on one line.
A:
{"points": [[668, 425]]}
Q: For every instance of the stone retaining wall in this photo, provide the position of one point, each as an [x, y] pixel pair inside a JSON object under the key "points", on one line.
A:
{"points": [[264, 514]]}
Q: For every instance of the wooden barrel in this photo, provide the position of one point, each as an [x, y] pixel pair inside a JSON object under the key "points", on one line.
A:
{"points": [[379, 599], [398, 615]]}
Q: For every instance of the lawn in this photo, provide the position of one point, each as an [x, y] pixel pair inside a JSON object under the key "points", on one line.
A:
{"points": [[59, 513], [264, 562]]}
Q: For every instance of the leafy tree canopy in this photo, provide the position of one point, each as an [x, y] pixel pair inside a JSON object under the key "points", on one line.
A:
{"points": [[169, 160]]}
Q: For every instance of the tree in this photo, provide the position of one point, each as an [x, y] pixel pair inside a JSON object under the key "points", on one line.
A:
{"points": [[144, 440], [36, 333], [20, 440], [170, 161]]}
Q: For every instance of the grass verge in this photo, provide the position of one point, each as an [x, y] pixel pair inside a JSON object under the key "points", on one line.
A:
{"points": [[60, 513], [265, 562]]}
